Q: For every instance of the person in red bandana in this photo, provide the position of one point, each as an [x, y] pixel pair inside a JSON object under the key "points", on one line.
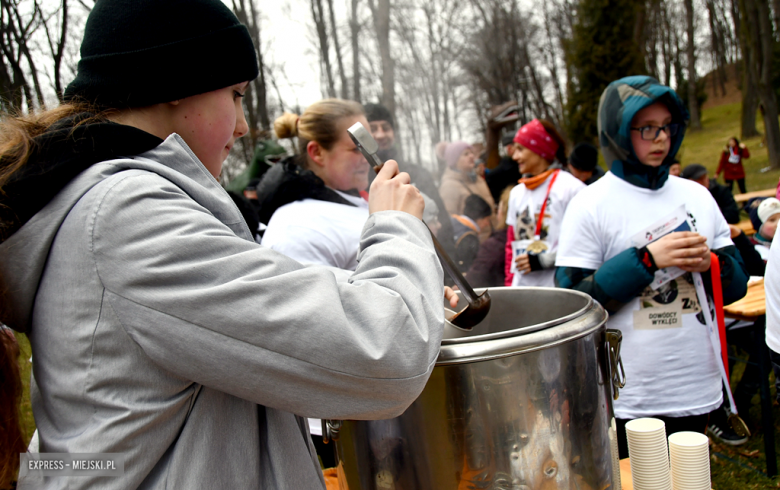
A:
{"points": [[537, 205]]}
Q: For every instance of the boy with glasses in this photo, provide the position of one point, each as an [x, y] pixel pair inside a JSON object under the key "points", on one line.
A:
{"points": [[610, 248]]}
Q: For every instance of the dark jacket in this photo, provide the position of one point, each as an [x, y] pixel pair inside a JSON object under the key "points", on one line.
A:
{"points": [[507, 173], [422, 179], [487, 270], [726, 203], [598, 173], [288, 182]]}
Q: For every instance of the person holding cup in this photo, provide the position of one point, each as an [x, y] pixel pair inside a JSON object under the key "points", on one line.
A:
{"points": [[537, 205]]}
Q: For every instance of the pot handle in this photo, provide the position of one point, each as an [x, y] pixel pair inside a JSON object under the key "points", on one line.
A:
{"points": [[330, 430], [616, 371]]}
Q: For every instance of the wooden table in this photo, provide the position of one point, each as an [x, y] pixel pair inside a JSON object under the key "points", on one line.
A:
{"points": [[625, 475], [750, 195], [752, 308], [746, 226]]}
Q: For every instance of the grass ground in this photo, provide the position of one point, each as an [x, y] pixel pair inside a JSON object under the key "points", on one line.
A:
{"points": [[705, 146], [736, 468]]}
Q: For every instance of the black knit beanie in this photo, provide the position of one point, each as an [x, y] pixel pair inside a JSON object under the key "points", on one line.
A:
{"points": [[378, 112], [143, 52], [584, 157]]}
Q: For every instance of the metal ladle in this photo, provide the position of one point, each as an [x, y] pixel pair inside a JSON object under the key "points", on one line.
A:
{"points": [[478, 306]]}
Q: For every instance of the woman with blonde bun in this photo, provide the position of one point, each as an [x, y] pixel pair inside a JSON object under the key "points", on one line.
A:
{"points": [[459, 180], [315, 202]]}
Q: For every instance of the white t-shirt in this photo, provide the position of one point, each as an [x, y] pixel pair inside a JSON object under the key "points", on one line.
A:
{"points": [[772, 287], [318, 232], [669, 371], [523, 211]]}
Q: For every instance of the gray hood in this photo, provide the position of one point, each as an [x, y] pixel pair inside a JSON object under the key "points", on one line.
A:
{"points": [[23, 256]]}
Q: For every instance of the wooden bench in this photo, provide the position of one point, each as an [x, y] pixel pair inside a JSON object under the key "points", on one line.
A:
{"points": [[747, 226], [750, 195]]}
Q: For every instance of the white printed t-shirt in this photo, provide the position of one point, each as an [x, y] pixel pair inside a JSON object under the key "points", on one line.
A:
{"points": [[772, 286], [321, 233], [670, 370], [523, 211]]}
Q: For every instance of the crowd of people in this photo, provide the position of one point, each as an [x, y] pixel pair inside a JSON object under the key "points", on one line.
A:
{"points": [[170, 318]]}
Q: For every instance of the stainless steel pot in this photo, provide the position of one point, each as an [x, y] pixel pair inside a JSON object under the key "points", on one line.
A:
{"points": [[521, 402]]}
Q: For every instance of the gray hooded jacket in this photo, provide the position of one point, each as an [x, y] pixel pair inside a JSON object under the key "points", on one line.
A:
{"points": [[160, 329]]}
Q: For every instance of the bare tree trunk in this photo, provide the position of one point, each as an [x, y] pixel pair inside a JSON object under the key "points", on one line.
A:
{"points": [[354, 27], [255, 100], [380, 10], [318, 14], [337, 46], [761, 44], [748, 82], [57, 48], [693, 103], [776, 11], [553, 67]]}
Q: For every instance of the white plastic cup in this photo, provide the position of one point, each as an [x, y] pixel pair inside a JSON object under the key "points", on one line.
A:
{"points": [[648, 450], [689, 454]]}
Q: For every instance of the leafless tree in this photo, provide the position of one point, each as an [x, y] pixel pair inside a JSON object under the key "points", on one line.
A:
{"points": [[690, 51], [320, 22], [380, 11], [760, 44], [354, 31]]}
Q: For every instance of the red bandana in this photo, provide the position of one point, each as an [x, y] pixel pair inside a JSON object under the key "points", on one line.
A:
{"points": [[534, 137]]}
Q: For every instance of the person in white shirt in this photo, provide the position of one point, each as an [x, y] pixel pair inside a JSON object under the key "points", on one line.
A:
{"points": [[316, 201], [537, 205], [670, 366]]}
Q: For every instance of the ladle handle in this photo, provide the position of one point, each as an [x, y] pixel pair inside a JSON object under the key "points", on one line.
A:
{"points": [[450, 268], [446, 262]]}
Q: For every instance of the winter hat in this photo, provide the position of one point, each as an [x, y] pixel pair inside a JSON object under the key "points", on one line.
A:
{"points": [[143, 52], [378, 112], [454, 151], [693, 171], [761, 210], [534, 137], [508, 139], [584, 157], [619, 103], [768, 208]]}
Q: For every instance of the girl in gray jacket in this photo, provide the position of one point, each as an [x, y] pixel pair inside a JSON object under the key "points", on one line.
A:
{"points": [[159, 329]]}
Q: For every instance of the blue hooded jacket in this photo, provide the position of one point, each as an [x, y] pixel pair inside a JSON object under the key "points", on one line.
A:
{"points": [[626, 275], [619, 103]]}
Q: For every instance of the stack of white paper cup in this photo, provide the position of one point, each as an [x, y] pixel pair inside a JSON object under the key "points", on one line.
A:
{"points": [[690, 457], [648, 453]]}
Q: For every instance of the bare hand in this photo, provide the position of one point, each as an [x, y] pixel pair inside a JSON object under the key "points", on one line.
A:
{"points": [[686, 250], [523, 264], [735, 231], [450, 296], [391, 191]]}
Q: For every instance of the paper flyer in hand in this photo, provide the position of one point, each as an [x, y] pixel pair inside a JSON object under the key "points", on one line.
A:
{"points": [[677, 221]]}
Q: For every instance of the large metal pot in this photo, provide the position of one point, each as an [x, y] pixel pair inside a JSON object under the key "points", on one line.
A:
{"points": [[521, 402]]}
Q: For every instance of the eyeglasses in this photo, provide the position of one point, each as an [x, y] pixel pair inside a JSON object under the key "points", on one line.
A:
{"points": [[649, 133]]}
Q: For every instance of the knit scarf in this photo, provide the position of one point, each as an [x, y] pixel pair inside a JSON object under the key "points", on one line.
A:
{"points": [[532, 183]]}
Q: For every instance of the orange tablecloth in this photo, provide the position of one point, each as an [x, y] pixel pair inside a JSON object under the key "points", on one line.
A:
{"points": [[625, 475], [332, 480], [752, 306]]}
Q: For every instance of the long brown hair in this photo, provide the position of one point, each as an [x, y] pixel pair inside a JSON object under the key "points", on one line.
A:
{"points": [[17, 143], [11, 438]]}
